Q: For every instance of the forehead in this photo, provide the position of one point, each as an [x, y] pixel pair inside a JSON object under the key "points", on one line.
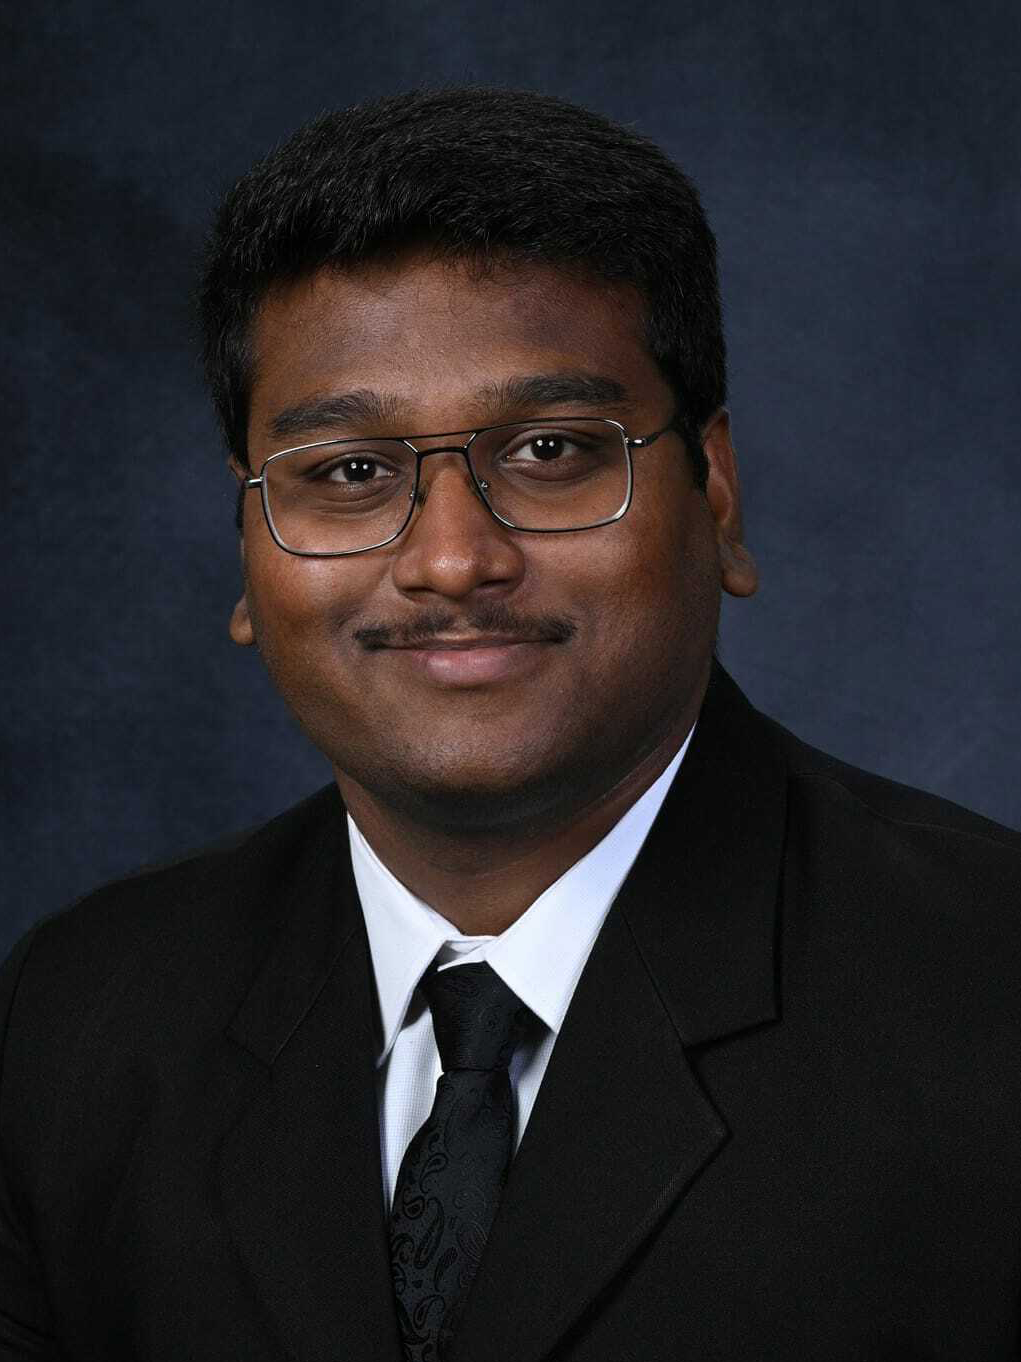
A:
{"points": [[430, 332]]}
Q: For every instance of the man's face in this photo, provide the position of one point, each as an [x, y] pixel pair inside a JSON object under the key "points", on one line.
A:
{"points": [[602, 638]]}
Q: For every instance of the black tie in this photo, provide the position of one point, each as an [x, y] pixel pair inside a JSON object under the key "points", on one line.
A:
{"points": [[454, 1169]]}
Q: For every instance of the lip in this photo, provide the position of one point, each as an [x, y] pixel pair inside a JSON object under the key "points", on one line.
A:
{"points": [[474, 661]]}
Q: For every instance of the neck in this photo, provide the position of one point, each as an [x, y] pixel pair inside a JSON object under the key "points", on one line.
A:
{"points": [[484, 883]]}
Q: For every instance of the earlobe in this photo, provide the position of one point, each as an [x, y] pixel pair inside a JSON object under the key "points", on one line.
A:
{"points": [[738, 574], [241, 630]]}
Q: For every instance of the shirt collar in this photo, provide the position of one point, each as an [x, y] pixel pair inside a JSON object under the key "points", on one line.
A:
{"points": [[540, 956]]}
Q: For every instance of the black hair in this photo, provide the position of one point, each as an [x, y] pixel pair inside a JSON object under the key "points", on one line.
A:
{"points": [[478, 174]]}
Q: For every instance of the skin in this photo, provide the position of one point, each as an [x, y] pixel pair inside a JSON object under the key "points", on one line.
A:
{"points": [[479, 796]]}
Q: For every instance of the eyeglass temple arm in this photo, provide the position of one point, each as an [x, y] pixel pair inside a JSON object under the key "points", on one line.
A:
{"points": [[692, 438], [644, 441]]}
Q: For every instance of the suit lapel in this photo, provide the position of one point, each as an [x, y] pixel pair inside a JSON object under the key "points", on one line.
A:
{"points": [[301, 1172], [618, 1129], [621, 1127]]}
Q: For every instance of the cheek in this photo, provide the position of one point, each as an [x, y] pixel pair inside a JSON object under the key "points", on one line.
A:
{"points": [[667, 587], [668, 547], [284, 590], [299, 606]]}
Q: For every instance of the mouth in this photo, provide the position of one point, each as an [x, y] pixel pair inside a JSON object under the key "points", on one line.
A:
{"points": [[472, 660], [459, 642]]}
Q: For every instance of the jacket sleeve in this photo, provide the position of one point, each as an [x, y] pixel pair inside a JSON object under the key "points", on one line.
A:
{"points": [[25, 1326]]}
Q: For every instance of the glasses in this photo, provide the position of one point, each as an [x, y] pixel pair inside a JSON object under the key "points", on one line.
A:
{"points": [[338, 497]]}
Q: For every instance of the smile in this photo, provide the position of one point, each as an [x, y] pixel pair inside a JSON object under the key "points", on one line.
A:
{"points": [[473, 661]]}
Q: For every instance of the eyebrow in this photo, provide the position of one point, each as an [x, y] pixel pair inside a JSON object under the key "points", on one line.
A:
{"points": [[340, 410], [365, 409], [532, 390]]}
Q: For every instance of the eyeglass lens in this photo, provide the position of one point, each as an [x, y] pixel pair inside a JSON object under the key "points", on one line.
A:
{"points": [[343, 496]]}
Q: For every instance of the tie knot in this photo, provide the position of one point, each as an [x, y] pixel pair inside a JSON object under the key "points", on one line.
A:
{"points": [[477, 1019]]}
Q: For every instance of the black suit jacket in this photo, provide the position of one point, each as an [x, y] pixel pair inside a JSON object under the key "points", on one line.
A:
{"points": [[781, 1120]]}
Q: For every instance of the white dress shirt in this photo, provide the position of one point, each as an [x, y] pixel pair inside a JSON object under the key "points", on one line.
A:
{"points": [[540, 957]]}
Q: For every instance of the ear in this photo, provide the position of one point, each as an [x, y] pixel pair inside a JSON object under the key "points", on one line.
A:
{"points": [[738, 574], [241, 630]]}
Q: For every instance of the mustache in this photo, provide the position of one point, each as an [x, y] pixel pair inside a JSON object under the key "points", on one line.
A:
{"points": [[491, 618]]}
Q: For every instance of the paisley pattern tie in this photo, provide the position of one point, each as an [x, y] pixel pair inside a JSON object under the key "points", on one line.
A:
{"points": [[454, 1169]]}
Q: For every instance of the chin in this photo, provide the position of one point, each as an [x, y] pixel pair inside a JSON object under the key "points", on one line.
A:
{"points": [[473, 797]]}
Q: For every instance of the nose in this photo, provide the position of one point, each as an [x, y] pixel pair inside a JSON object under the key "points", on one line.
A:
{"points": [[454, 546]]}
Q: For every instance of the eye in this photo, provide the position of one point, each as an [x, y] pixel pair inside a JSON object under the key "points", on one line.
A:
{"points": [[357, 468], [541, 447]]}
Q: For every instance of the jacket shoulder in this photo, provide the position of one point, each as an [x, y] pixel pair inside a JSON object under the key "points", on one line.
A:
{"points": [[827, 778], [212, 909], [925, 865], [210, 872]]}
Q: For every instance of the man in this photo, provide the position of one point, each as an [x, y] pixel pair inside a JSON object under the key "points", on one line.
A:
{"points": [[589, 1015]]}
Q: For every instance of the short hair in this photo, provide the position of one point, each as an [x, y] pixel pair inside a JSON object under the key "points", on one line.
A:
{"points": [[480, 174]]}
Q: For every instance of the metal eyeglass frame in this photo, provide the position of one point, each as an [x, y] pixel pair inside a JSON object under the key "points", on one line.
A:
{"points": [[630, 442]]}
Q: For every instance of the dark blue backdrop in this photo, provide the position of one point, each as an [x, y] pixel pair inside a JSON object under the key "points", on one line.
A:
{"points": [[860, 165]]}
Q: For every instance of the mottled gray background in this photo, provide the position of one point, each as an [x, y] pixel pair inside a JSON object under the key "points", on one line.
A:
{"points": [[860, 165]]}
